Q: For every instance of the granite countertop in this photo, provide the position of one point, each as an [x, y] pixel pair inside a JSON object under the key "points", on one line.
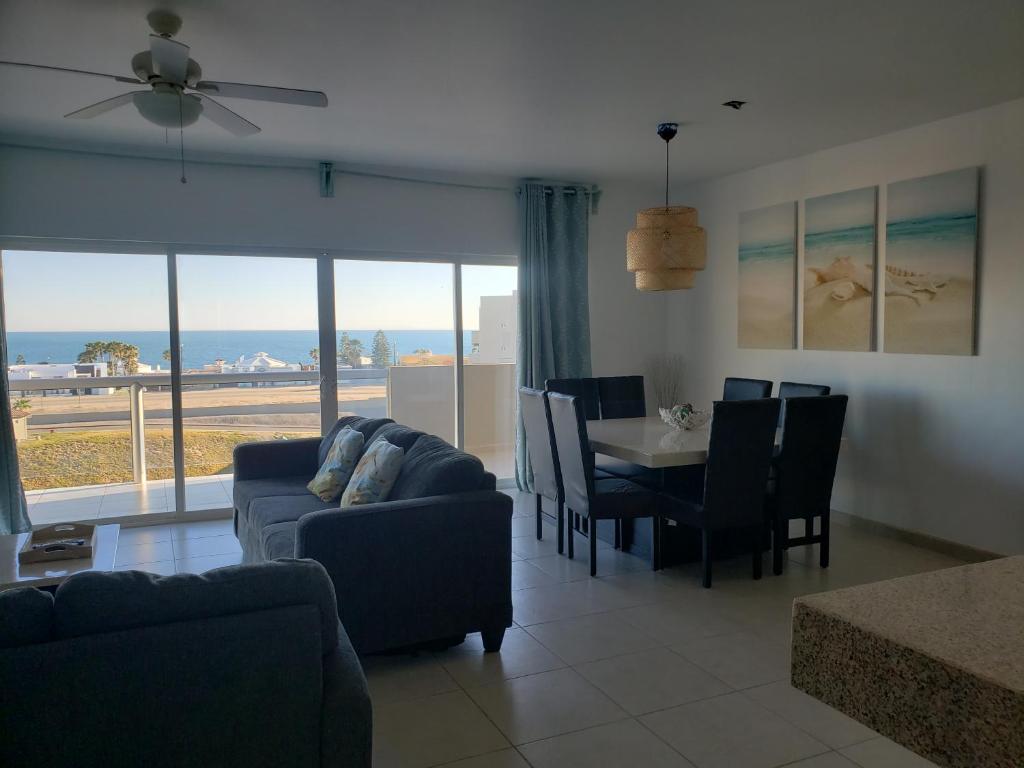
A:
{"points": [[971, 617], [934, 661]]}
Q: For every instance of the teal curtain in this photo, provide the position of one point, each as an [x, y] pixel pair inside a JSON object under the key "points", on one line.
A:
{"points": [[554, 314], [13, 509]]}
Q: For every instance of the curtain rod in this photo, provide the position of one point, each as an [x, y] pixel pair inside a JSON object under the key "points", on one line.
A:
{"points": [[570, 189]]}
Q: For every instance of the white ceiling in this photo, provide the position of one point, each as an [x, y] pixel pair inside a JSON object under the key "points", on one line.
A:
{"points": [[556, 88]]}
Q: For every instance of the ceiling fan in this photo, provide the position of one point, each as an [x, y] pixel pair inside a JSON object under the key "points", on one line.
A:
{"points": [[176, 96]]}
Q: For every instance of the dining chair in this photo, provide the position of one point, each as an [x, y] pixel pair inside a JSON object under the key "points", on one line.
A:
{"points": [[547, 480], [732, 494], [585, 388], [746, 389], [788, 389], [611, 498], [805, 469], [621, 397]]}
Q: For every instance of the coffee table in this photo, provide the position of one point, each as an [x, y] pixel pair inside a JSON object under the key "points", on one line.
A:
{"points": [[13, 574]]}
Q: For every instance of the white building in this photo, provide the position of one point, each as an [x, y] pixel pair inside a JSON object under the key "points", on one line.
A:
{"points": [[260, 362], [496, 340], [35, 371]]}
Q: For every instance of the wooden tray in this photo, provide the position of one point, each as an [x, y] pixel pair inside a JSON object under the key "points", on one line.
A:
{"points": [[63, 541]]}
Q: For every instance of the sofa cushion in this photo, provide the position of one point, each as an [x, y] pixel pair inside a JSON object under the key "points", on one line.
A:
{"points": [[270, 510], [358, 423], [432, 467], [27, 617], [92, 603], [376, 474], [397, 434], [337, 468], [278, 540], [247, 490]]}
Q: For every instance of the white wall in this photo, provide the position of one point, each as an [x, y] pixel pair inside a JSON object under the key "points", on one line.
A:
{"points": [[935, 444], [627, 327]]}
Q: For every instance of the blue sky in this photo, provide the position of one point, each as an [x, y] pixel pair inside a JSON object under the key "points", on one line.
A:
{"points": [[46, 291]]}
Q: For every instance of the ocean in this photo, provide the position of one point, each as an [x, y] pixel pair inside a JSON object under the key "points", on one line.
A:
{"points": [[202, 347]]}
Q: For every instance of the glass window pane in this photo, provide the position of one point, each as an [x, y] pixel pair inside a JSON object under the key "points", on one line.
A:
{"points": [[73, 321], [489, 317], [249, 362], [396, 343]]}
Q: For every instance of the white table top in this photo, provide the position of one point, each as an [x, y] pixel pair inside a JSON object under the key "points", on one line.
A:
{"points": [[649, 442], [13, 574]]}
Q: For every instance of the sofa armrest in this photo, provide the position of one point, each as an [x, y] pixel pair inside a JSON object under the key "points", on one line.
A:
{"points": [[400, 565], [346, 725], [277, 458]]}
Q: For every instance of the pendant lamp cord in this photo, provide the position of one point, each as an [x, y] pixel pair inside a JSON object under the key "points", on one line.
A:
{"points": [[181, 139], [666, 173]]}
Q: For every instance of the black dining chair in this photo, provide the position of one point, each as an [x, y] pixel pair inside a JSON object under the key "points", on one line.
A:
{"points": [[788, 389], [804, 471], [732, 494], [746, 389], [547, 479], [612, 498], [622, 397], [585, 388]]}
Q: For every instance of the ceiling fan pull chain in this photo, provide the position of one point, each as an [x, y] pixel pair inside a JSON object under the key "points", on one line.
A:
{"points": [[181, 136]]}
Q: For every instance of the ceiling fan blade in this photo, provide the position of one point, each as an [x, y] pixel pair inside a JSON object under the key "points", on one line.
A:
{"points": [[103, 106], [264, 93], [116, 78], [226, 119], [170, 58]]}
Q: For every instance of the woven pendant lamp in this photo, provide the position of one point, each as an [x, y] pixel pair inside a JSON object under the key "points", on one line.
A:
{"points": [[667, 248]]}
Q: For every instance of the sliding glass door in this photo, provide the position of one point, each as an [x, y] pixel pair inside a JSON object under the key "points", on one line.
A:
{"points": [[89, 384], [396, 342], [108, 428], [248, 362]]}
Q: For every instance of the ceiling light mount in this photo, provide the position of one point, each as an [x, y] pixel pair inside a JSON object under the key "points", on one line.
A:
{"points": [[668, 131], [734, 104]]}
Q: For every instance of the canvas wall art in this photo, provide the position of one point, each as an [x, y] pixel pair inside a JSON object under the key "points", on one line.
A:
{"points": [[767, 278], [931, 240], [839, 270]]}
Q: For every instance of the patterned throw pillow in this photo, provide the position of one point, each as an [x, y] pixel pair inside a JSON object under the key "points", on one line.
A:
{"points": [[341, 460], [374, 475]]}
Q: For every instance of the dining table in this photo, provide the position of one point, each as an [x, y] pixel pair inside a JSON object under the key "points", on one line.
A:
{"points": [[649, 442]]}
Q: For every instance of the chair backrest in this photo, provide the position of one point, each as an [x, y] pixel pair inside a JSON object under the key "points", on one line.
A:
{"points": [[806, 464], [575, 459], [788, 389], [746, 389], [622, 397], [536, 413], [584, 388], [739, 457]]}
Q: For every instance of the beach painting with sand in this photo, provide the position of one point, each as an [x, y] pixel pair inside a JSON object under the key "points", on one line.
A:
{"points": [[931, 254], [767, 278], [839, 270]]}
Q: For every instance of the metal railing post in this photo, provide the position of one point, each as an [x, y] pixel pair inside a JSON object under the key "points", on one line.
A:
{"points": [[138, 428]]}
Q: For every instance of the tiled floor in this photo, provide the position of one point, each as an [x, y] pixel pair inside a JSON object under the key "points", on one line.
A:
{"points": [[94, 502], [633, 668]]}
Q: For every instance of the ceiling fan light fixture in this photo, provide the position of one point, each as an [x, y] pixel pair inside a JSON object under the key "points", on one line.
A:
{"points": [[168, 108]]}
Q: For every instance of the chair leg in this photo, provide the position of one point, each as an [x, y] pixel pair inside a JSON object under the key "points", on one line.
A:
{"points": [[593, 547], [823, 551], [618, 533], [756, 539], [576, 522], [706, 558], [569, 519], [808, 527], [779, 533], [560, 522], [540, 514], [492, 637]]}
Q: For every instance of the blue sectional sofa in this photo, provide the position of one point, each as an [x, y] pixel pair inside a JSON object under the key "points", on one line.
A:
{"points": [[429, 565], [241, 666]]}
